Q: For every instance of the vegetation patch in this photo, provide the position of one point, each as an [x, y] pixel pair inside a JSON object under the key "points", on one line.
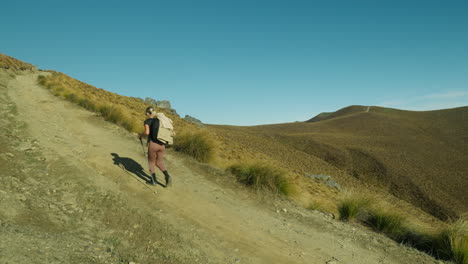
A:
{"points": [[262, 176], [110, 112], [387, 222], [353, 207], [7, 62], [198, 145], [451, 243], [314, 205]]}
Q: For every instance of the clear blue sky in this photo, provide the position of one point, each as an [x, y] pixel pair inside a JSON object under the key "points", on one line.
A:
{"points": [[252, 62]]}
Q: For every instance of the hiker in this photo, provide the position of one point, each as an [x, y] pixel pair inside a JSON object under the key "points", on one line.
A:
{"points": [[156, 148]]}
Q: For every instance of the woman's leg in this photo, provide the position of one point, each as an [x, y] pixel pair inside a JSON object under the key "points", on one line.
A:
{"points": [[159, 162], [152, 155], [160, 156]]}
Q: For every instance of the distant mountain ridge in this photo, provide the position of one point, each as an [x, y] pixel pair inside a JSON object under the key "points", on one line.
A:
{"points": [[342, 112], [420, 157]]}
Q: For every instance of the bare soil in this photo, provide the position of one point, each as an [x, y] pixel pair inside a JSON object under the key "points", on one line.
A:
{"points": [[72, 190]]}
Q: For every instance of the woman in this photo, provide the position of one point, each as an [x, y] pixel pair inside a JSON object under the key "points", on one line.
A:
{"points": [[156, 148]]}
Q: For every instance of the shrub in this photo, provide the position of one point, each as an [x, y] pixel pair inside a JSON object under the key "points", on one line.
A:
{"points": [[87, 104], [115, 115], [198, 145], [41, 80], [387, 222], [56, 93], [129, 125], [262, 176], [352, 207], [71, 97], [105, 110], [452, 242], [315, 206]]}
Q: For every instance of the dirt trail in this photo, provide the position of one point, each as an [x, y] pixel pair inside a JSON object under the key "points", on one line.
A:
{"points": [[206, 221]]}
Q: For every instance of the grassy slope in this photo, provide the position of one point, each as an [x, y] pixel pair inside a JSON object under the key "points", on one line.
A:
{"points": [[406, 153], [131, 108], [7, 62], [417, 156]]}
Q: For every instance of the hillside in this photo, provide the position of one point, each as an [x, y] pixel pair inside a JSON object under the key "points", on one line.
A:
{"points": [[420, 157], [73, 191], [14, 65], [342, 112]]}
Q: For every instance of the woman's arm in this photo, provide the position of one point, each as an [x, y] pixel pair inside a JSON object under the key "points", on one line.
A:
{"points": [[145, 133]]}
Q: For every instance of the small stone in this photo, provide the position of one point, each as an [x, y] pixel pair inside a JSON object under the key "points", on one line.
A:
{"points": [[284, 210], [9, 155]]}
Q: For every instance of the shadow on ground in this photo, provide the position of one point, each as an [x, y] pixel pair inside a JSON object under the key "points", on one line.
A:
{"points": [[130, 166]]}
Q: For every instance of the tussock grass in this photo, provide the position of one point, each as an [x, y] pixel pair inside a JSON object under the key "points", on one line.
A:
{"points": [[452, 242], [199, 145], [261, 176], [314, 205], [87, 104], [115, 115], [353, 207], [71, 97], [387, 222]]}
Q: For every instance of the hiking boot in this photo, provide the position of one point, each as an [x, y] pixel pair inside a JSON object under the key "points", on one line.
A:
{"points": [[167, 177], [153, 179]]}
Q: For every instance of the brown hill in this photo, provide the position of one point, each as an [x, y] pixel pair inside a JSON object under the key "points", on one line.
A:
{"points": [[10, 63], [420, 157], [342, 112], [73, 191], [403, 153]]}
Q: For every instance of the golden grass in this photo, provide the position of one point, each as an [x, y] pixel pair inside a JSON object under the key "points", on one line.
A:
{"points": [[199, 145], [416, 156], [353, 206], [262, 176], [127, 112], [419, 157], [315, 205], [450, 243], [7, 62], [387, 222]]}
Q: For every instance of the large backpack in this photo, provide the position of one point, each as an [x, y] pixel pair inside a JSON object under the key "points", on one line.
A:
{"points": [[166, 129]]}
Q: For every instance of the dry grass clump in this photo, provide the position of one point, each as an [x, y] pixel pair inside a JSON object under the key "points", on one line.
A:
{"points": [[452, 242], [353, 206], [387, 222], [315, 205], [262, 176], [199, 145]]}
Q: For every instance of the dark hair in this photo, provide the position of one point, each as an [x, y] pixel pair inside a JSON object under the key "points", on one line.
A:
{"points": [[149, 110]]}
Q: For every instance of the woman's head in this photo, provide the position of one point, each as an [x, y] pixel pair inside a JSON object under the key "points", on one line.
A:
{"points": [[150, 112]]}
